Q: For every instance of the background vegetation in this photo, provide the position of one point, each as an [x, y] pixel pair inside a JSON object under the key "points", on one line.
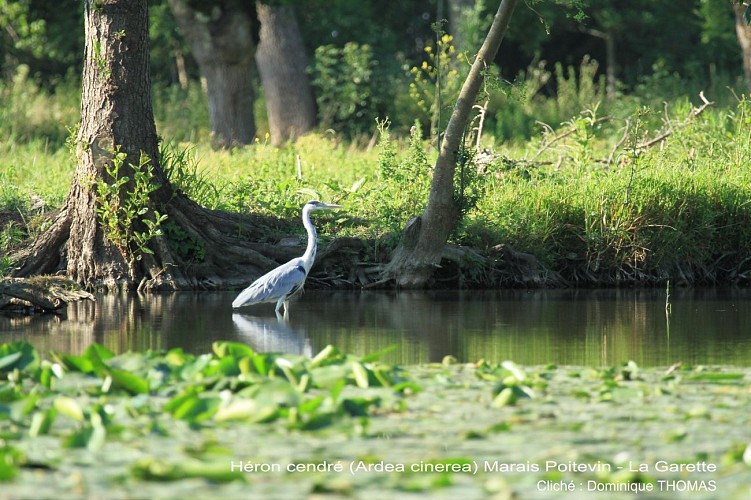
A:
{"points": [[563, 170]]}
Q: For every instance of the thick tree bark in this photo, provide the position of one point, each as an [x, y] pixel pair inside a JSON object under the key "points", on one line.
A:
{"points": [[743, 32], [282, 64], [115, 113], [222, 43], [419, 253]]}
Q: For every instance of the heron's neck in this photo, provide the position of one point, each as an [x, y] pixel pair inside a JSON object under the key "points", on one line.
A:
{"points": [[310, 252]]}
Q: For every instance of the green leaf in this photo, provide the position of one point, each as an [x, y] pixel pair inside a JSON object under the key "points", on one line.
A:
{"points": [[7, 362], [41, 422], [327, 355], [10, 458], [77, 363], [98, 351], [716, 376], [357, 185], [235, 349], [229, 367], [191, 368], [310, 193], [361, 375], [18, 355], [69, 407], [90, 436], [197, 409], [128, 381], [153, 469], [358, 407]]}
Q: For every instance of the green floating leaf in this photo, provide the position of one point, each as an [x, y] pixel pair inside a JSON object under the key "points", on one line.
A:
{"points": [[77, 363], [98, 352], [196, 409], [18, 355], [361, 375], [90, 436], [716, 376], [41, 422], [191, 369], [10, 459], [245, 409], [153, 469], [234, 349], [229, 366], [327, 355], [327, 377], [359, 407], [69, 407], [128, 381], [7, 362]]}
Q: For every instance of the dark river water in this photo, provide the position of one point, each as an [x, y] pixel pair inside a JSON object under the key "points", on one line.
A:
{"points": [[565, 327]]}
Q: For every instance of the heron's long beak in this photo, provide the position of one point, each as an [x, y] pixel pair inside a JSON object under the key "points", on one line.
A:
{"points": [[333, 205]]}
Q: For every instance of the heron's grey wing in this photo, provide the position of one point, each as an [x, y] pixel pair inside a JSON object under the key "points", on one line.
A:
{"points": [[284, 280]]}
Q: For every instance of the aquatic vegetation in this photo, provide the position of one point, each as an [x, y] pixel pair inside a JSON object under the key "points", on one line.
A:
{"points": [[234, 422]]}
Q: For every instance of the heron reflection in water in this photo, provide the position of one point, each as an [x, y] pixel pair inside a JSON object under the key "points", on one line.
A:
{"points": [[271, 335], [282, 283]]}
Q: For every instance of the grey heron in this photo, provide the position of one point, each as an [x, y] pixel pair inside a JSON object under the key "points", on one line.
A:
{"points": [[280, 284]]}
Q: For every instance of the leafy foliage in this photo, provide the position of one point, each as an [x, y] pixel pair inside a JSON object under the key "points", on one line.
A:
{"points": [[345, 83], [437, 80], [125, 214], [233, 383]]}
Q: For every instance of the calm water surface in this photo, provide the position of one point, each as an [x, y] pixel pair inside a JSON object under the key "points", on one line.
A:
{"points": [[572, 327]]}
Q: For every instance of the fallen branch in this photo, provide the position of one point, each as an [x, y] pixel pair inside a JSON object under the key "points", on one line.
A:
{"points": [[39, 294], [692, 114]]}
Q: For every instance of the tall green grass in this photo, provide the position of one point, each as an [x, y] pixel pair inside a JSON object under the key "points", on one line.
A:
{"points": [[679, 208]]}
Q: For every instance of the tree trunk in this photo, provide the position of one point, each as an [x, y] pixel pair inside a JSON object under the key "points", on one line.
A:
{"points": [[203, 251], [115, 113], [282, 64], [743, 32], [222, 43], [419, 253]]}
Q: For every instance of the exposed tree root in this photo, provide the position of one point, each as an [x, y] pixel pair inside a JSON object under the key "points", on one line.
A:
{"points": [[229, 253], [220, 250]]}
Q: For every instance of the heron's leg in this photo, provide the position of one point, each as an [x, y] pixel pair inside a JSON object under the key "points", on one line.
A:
{"points": [[279, 305], [286, 309]]}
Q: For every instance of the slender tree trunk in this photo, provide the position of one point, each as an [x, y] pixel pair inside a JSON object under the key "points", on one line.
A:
{"points": [[282, 64], [419, 253], [743, 32], [222, 43]]}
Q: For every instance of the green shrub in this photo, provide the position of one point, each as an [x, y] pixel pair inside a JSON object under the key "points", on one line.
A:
{"points": [[345, 87]]}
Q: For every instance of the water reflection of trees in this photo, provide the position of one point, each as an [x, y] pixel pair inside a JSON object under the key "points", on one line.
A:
{"points": [[130, 322], [583, 327]]}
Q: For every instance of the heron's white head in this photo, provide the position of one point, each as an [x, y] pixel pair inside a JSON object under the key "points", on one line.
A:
{"points": [[317, 205]]}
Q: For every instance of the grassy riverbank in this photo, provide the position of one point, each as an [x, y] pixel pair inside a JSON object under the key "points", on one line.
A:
{"points": [[233, 423], [612, 196]]}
